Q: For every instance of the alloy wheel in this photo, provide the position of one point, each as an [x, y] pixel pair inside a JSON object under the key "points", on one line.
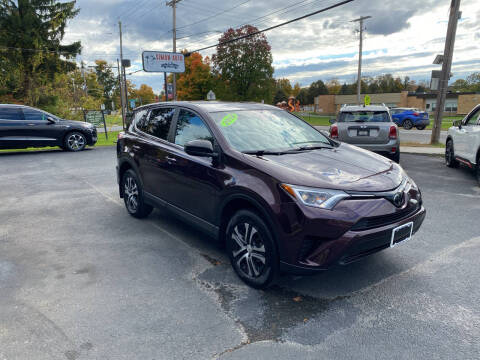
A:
{"points": [[76, 142], [248, 250], [130, 191], [407, 124]]}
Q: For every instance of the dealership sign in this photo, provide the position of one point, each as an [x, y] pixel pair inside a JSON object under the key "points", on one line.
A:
{"points": [[156, 61]]}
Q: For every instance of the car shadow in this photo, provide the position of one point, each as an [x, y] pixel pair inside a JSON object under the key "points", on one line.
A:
{"points": [[37, 152]]}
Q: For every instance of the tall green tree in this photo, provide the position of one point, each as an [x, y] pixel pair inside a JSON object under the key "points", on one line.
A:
{"points": [[108, 80], [279, 96], [285, 86], [316, 88], [245, 66], [31, 32]]}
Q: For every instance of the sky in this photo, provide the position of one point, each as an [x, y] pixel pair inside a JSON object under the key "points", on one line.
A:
{"points": [[402, 37]]}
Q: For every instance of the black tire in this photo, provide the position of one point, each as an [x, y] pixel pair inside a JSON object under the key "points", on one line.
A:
{"points": [[396, 157], [477, 170], [252, 250], [421, 127], [133, 195], [74, 141], [450, 155], [407, 124]]}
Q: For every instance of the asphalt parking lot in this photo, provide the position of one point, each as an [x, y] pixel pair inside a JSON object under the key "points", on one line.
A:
{"points": [[80, 279]]}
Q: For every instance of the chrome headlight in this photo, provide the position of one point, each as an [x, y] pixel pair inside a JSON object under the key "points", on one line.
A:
{"points": [[319, 198]]}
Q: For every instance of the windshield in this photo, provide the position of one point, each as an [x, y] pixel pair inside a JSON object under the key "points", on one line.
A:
{"points": [[364, 116], [272, 130]]}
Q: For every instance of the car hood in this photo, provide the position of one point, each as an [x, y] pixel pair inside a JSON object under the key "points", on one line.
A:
{"points": [[76, 123], [345, 167]]}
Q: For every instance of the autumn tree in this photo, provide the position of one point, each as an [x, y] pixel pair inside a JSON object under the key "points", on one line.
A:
{"points": [[315, 89], [296, 89], [144, 94], [285, 86], [245, 65], [197, 80], [333, 86], [33, 31]]}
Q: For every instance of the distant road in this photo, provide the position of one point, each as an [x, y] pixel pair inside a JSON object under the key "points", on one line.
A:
{"points": [[413, 136]]}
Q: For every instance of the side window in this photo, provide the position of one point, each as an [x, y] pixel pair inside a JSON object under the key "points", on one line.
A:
{"points": [[158, 123], [32, 114], [190, 127], [139, 118], [12, 113], [474, 118]]}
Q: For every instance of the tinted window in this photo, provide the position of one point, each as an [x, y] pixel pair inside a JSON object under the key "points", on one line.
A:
{"points": [[364, 116], [158, 123], [11, 113], [31, 114], [138, 117], [190, 127], [266, 130], [474, 118]]}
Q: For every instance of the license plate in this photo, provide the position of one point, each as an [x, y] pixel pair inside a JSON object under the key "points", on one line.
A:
{"points": [[363, 133], [401, 234]]}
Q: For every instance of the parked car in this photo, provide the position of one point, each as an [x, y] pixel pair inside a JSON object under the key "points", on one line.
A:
{"points": [[368, 127], [463, 142], [23, 126], [409, 118], [280, 195]]}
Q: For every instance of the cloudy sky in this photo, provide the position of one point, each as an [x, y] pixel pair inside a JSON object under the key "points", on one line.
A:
{"points": [[402, 37]]}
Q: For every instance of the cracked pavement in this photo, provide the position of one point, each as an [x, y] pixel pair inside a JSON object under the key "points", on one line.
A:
{"points": [[80, 279]]}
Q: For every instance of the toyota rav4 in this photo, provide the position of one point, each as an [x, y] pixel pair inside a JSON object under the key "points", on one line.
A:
{"points": [[278, 193]]}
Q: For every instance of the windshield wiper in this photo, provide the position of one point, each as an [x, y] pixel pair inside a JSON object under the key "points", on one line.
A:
{"points": [[264, 152], [304, 148]]}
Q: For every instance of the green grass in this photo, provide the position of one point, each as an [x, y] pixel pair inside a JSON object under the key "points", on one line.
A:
{"points": [[102, 141], [113, 120], [316, 120]]}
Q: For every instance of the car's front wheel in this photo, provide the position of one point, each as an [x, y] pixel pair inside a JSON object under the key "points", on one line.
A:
{"points": [[450, 160], [75, 141], [251, 249], [407, 124], [477, 170], [133, 195]]}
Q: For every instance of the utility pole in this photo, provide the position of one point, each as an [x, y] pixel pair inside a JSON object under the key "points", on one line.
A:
{"points": [[360, 52], [122, 76], [446, 69], [173, 4], [84, 81], [121, 93]]}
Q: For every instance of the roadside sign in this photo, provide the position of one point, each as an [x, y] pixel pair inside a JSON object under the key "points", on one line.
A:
{"points": [[102, 107], [133, 103], [211, 95], [157, 61], [97, 118], [367, 100]]}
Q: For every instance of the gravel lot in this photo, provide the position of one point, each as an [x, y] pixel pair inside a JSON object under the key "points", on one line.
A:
{"points": [[80, 279]]}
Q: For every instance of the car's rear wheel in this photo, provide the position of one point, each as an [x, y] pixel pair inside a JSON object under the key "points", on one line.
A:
{"points": [[133, 195], [251, 249], [75, 141], [450, 155], [421, 127], [407, 124], [396, 157]]}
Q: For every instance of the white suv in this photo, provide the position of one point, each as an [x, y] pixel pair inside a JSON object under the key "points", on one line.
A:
{"points": [[463, 142]]}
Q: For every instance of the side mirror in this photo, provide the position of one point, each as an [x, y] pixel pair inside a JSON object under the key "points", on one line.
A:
{"points": [[458, 123], [333, 121], [203, 148], [50, 120]]}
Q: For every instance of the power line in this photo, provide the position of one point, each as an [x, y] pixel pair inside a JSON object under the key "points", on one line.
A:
{"points": [[268, 15], [214, 15], [276, 26]]}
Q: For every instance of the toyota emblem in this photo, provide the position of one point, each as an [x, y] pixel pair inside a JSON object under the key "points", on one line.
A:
{"points": [[398, 199]]}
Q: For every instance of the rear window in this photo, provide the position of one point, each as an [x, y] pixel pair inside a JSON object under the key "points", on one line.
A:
{"points": [[364, 116]]}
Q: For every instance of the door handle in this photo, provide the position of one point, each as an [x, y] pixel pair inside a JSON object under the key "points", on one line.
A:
{"points": [[171, 159], [31, 124], [136, 147]]}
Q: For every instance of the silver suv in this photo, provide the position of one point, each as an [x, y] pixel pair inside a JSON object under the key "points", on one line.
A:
{"points": [[369, 127]]}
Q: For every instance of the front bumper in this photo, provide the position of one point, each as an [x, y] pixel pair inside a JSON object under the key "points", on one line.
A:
{"points": [[351, 246]]}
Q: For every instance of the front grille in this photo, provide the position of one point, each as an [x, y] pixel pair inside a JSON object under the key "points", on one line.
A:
{"points": [[379, 221]]}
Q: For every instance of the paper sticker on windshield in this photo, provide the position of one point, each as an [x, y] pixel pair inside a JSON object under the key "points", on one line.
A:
{"points": [[229, 119]]}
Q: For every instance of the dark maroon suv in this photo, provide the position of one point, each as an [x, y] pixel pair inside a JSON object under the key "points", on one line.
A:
{"points": [[279, 194]]}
